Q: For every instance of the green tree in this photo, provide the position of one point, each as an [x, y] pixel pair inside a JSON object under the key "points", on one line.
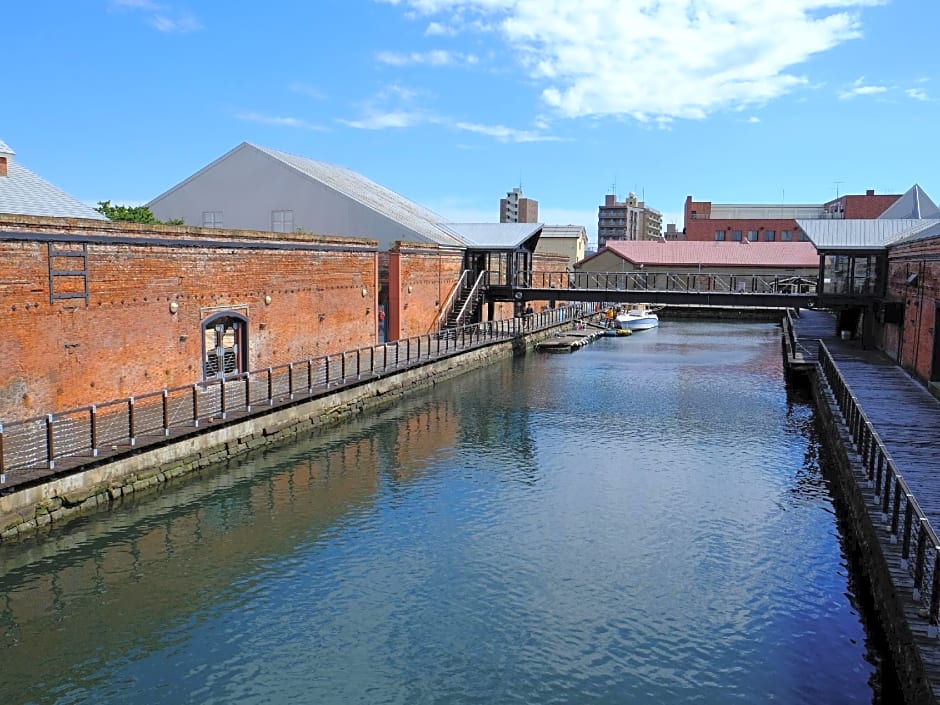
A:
{"points": [[130, 214], [133, 214]]}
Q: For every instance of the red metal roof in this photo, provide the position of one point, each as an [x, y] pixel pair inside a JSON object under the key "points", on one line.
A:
{"points": [[728, 254]]}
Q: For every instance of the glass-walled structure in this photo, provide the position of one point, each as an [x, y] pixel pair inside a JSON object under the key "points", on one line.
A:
{"points": [[854, 275]]}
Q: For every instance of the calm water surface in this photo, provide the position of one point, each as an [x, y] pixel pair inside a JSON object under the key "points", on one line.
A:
{"points": [[644, 521]]}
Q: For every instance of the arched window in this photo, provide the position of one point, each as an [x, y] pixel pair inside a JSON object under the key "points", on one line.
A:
{"points": [[225, 345]]}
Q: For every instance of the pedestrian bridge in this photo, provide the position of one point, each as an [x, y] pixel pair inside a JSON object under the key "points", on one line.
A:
{"points": [[753, 289]]}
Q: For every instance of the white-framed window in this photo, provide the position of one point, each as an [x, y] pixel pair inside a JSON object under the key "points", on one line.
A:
{"points": [[282, 221], [212, 219]]}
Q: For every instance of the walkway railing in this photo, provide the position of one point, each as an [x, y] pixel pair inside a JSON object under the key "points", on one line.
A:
{"points": [[36, 448], [690, 282], [902, 516]]}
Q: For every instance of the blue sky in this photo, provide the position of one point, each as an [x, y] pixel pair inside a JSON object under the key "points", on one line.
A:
{"points": [[452, 103]]}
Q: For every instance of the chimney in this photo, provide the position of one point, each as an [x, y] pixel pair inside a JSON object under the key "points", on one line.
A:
{"points": [[870, 192], [5, 155]]}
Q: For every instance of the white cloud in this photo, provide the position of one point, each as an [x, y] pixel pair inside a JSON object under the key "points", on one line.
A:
{"points": [[917, 94], [753, 119], [395, 106], [505, 134], [436, 29], [861, 88], [161, 16], [279, 121], [391, 119], [182, 24], [656, 59], [429, 58]]}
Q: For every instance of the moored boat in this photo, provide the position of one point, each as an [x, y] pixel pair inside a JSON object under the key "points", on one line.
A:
{"points": [[638, 318]]}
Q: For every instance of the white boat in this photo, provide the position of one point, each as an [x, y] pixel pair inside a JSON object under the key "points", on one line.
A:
{"points": [[637, 319]]}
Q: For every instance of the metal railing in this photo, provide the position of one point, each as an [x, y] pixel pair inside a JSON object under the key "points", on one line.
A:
{"points": [[469, 306], [35, 448], [444, 313], [900, 513]]}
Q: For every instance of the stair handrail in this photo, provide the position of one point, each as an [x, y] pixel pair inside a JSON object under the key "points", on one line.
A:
{"points": [[471, 297], [448, 305]]}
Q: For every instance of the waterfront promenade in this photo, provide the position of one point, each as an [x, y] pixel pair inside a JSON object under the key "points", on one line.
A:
{"points": [[905, 415], [890, 485]]}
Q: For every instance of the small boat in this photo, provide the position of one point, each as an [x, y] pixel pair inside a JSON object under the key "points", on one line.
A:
{"points": [[639, 318], [617, 332]]}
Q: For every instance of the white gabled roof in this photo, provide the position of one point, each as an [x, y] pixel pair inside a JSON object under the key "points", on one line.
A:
{"points": [[408, 214], [494, 235], [24, 193], [913, 204]]}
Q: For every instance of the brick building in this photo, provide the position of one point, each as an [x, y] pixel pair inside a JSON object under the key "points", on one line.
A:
{"points": [[95, 310], [98, 310], [706, 221], [883, 278]]}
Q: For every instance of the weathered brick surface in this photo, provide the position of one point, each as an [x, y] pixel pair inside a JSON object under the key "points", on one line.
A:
{"points": [[913, 342], [126, 341], [420, 280]]}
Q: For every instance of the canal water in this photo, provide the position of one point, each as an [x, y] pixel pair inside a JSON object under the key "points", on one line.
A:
{"points": [[644, 521]]}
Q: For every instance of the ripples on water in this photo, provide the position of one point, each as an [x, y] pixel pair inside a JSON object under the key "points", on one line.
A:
{"points": [[642, 522]]}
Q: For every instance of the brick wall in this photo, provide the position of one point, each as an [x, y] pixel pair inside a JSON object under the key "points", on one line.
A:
{"points": [[913, 342], [704, 230], [421, 279], [126, 340]]}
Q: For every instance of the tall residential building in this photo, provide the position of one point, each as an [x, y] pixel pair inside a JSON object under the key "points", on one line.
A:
{"points": [[516, 209], [627, 220]]}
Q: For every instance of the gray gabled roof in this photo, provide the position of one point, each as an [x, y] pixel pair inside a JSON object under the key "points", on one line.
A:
{"points": [[409, 214], [563, 231], [913, 204], [24, 193], [494, 235], [834, 235]]}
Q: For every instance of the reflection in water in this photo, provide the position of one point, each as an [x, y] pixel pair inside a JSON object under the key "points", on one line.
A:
{"points": [[644, 521]]}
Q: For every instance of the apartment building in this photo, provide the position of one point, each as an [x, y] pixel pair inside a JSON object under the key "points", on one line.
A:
{"points": [[516, 209], [629, 219]]}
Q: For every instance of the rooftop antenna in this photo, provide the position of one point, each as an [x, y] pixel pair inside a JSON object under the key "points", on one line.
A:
{"points": [[837, 187]]}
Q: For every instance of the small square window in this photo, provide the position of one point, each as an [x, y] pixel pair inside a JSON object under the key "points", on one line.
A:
{"points": [[752, 235], [770, 235], [719, 235], [786, 235], [212, 219], [736, 235]]}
